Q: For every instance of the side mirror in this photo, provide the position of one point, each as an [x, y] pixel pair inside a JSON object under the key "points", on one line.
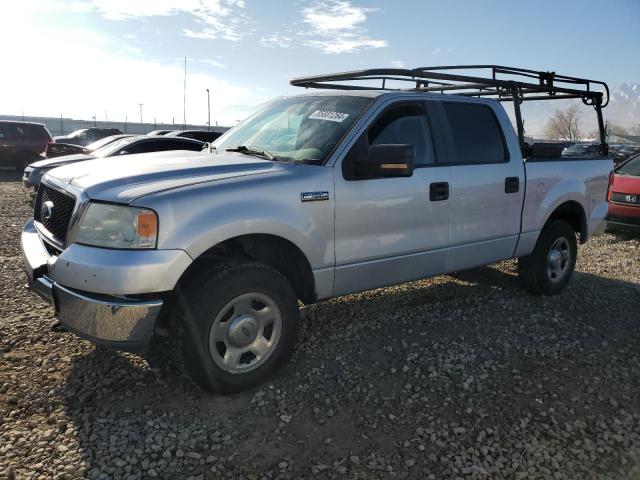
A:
{"points": [[386, 160]]}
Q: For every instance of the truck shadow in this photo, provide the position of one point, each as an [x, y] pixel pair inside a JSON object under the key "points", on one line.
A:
{"points": [[539, 350]]}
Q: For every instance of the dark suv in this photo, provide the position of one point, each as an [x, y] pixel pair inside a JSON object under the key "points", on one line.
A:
{"points": [[22, 143], [85, 136]]}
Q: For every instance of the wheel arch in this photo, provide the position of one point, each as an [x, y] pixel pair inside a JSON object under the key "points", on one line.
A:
{"points": [[573, 213], [273, 250]]}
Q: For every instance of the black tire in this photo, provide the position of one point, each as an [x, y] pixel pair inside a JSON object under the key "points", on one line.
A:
{"points": [[199, 302], [534, 269]]}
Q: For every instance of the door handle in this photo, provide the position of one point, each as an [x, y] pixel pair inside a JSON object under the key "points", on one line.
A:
{"points": [[511, 184], [438, 191]]}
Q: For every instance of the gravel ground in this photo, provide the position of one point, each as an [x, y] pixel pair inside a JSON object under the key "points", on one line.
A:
{"points": [[462, 376]]}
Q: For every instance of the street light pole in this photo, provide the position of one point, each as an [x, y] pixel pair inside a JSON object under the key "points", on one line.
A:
{"points": [[208, 109], [140, 105]]}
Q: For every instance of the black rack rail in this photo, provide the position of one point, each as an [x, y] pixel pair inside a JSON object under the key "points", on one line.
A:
{"points": [[500, 83]]}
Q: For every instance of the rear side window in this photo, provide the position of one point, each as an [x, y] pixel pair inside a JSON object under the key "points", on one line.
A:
{"points": [[178, 145], [145, 147], [405, 124], [632, 167], [35, 132], [477, 137]]}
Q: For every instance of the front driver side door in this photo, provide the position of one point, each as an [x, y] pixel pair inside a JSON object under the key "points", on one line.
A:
{"points": [[391, 230]]}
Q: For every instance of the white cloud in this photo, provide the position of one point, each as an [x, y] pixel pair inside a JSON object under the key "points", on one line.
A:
{"points": [[346, 44], [398, 64], [213, 18], [110, 78], [276, 40], [436, 51], [336, 26], [209, 61]]}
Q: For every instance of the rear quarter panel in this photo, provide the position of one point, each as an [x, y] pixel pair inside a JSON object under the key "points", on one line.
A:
{"points": [[550, 183]]}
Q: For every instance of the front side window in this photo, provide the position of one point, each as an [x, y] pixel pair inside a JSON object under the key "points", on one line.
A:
{"points": [[405, 124], [112, 148], [8, 131], [299, 129], [477, 137]]}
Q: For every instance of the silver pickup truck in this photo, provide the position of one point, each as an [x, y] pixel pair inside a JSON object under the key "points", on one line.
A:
{"points": [[314, 196]]}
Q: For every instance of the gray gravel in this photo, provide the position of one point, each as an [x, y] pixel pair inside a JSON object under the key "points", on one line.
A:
{"points": [[462, 376]]}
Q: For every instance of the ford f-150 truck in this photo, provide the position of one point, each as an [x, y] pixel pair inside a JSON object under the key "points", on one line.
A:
{"points": [[313, 197]]}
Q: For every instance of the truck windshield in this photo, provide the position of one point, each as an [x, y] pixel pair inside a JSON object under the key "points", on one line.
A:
{"points": [[298, 129]]}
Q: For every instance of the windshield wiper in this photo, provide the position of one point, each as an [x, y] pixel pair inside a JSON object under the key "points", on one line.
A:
{"points": [[252, 151]]}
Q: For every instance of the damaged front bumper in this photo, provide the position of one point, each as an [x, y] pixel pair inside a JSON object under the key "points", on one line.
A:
{"points": [[115, 321]]}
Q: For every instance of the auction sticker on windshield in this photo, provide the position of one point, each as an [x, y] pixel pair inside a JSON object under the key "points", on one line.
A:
{"points": [[329, 115]]}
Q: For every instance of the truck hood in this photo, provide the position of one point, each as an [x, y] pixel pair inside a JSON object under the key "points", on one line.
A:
{"points": [[48, 163], [122, 179]]}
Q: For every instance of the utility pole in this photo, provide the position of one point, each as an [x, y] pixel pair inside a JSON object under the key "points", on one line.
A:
{"points": [[61, 126], [95, 122], [184, 97], [106, 118], [140, 105], [208, 109]]}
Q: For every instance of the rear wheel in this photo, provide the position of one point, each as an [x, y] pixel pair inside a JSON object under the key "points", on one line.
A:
{"points": [[548, 269], [235, 325]]}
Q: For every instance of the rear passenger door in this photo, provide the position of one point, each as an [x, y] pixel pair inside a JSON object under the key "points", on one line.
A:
{"points": [[487, 186]]}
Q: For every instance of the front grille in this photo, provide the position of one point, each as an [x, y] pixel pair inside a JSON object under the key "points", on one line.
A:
{"points": [[53, 209]]}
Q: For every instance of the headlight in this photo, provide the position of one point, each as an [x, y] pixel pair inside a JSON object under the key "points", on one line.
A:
{"points": [[27, 171], [118, 226]]}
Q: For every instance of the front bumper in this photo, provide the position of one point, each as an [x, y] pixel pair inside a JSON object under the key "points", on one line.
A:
{"points": [[26, 182], [115, 321]]}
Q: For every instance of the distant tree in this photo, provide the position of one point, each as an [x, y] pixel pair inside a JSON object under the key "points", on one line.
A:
{"points": [[611, 129], [635, 130], [565, 124], [614, 128]]}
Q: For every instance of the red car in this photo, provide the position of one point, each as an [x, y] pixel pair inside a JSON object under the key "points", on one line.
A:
{"points": [[624, 195]]}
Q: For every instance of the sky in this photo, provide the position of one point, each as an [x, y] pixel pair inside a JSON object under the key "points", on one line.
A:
{"points": [[81, 58]]}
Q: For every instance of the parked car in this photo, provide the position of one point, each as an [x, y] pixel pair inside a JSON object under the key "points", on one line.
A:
{"points": [[22, 143], [580, 150], [315, 196], [202, 135], [56, 149], [624, 196], [124, 145], [625, 152], [85, 136], [159, 132]]}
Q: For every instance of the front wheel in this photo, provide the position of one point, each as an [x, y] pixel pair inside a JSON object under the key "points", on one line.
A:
{"points": [[548, 269], [236, 324]]}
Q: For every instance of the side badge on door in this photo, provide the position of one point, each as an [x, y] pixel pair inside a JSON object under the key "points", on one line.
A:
{"points": [[314, 196]]}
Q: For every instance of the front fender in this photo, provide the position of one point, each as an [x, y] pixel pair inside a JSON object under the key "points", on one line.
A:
{"points": [[266, 217], [199, 217]]}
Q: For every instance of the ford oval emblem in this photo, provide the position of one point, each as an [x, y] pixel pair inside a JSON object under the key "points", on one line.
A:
{"points": [[47, 210]]}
